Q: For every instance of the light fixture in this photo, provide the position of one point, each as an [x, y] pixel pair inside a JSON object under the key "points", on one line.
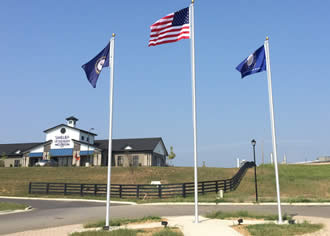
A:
{"points": [[165, 223], [253, 142]]}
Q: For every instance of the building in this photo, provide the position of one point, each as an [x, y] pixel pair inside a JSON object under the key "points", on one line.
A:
{"points": [[71, 146]]}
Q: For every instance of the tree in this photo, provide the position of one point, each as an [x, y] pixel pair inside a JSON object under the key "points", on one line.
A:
{"points": [[172, 155], [2, 159]]}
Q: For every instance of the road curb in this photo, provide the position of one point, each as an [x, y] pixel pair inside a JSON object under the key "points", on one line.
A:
{"points": [[29, 208], [238, 204], [177, 203], [68, 200]]}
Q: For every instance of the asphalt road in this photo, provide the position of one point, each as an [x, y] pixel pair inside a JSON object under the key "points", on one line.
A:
{"points": [[50, 213]]}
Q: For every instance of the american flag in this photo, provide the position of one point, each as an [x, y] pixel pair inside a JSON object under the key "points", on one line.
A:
{"points": [[171, 28]]}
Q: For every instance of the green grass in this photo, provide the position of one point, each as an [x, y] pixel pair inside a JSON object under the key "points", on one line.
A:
{"points": [[14, 181], [128, 232], [121, 221], [283, 230], [119, 232], [167, 232], [244, 214], [8, 206], [299, 183]]}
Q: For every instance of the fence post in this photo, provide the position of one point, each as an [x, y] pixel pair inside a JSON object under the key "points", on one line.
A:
{"points": [[30, 187], [120, 190], [47, 188], [202, 187], [216, 187], [160, 191], [65, 189], [138, 191], [81, 189], [184, 190], [225, 186], [95, 189]]}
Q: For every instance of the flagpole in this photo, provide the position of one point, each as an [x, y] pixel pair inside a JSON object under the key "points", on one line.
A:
{"points": [[111, 62], [271, 106], [193, 77]]}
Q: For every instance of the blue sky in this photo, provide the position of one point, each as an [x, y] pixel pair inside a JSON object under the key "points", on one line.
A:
{"points": [[44, 43]]}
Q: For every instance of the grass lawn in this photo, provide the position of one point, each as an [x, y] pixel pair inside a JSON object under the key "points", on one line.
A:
{"points": [[131, 232], [282, 230], [8, 206], [120, 232], [298, 183], [158, 231], [122, 221], [244, 215], [14, 181]]}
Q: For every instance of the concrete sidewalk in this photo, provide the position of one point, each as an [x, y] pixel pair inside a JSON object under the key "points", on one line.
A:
{"points": [[209, 227]]}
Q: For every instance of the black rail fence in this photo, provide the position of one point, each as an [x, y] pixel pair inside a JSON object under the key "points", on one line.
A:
{"points": [[141, 190]]}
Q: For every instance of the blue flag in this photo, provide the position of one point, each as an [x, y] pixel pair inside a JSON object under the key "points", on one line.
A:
{"points": [[254, 63], [94, 67]]}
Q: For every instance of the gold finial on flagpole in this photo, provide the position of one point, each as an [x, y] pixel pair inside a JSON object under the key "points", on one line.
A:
{"points": [[267, 38], [192, 1], [113, 34]]}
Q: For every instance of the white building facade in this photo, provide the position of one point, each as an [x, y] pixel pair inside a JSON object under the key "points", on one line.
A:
{"points": [[67, 145]]}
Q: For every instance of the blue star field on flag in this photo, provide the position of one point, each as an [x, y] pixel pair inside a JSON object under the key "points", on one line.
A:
{"points": [[254, 63], [94, 67]]}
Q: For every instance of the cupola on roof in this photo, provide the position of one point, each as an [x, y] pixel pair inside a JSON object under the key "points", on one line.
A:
{"points": [[72, 121]]}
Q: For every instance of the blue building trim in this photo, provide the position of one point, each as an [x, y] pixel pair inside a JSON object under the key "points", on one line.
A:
{"points": [[83, 153], [61, 152], [35, 154]]}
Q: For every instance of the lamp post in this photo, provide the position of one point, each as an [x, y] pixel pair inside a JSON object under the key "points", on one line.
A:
{"points": [[88, 144], [253, 142]]}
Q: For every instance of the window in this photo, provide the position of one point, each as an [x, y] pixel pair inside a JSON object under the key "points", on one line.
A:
{"points": [[135, 160], [87, 139], [120, 161], [82, 138], [16, 163]]}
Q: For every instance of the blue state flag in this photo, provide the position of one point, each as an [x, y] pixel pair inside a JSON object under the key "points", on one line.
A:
{"points": [[94, 67], [254, 63]]}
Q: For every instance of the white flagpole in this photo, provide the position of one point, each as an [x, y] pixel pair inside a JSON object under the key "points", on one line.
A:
{"points": [[111, 62], [271, 106], [192, 36]]}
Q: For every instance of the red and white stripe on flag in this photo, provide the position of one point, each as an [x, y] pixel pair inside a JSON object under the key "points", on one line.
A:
{"points": [[162, 31]]}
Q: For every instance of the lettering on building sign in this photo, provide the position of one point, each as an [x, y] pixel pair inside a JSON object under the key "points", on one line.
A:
{"points": [[62, 141]]}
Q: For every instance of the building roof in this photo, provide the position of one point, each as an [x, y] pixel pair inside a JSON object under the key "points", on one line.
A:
{"points": [[71, 128], [137, 144], [118, 145], [12, 148], [72, 118]]}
